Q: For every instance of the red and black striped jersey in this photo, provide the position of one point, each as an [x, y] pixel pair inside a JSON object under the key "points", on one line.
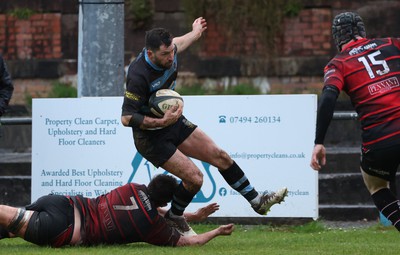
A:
{"points": [[124, 215], [368, 70]]}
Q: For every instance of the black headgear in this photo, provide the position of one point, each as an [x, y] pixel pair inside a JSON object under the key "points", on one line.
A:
{"points": [[345, 27]]}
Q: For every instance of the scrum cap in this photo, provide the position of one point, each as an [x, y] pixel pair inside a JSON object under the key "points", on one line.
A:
{"points": [[345, 27]]}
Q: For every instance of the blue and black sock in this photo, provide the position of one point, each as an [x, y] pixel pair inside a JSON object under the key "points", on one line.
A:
{"points": [[388, 205], [236, 178]]}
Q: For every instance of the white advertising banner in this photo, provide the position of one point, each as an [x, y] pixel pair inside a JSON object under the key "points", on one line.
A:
{"points": [[79, 146]]}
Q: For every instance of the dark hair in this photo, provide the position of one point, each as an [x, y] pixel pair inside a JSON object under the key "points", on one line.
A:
{"points": [[345, 27], [156, 37], [161, 189]]}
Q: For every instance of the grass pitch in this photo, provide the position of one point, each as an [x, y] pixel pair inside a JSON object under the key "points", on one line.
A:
{"points": [[308, 239]]}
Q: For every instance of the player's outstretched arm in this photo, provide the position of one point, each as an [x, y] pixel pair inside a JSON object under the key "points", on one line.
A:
{"points": [[202, 213], [203, 238], [184, 41], [197, 216]]}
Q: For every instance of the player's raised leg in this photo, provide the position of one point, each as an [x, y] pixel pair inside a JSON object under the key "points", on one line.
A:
{"points": [[260, 202], [200, 146]]}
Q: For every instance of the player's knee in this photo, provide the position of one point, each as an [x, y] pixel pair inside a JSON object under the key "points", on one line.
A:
{"points": [[196, 181]]}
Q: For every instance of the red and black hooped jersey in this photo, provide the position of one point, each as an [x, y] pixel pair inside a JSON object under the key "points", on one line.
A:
{"points": [[368, 70], [124, 215]]}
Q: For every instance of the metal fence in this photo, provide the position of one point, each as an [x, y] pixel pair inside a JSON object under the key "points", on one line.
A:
{"points": [[16, 121]]}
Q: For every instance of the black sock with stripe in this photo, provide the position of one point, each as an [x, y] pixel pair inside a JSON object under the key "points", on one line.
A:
{"points": [[181, 199], [388, 205], [236, 178]]}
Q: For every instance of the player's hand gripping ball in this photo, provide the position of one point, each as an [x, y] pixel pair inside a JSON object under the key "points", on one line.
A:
{"points": [[162, 100]]}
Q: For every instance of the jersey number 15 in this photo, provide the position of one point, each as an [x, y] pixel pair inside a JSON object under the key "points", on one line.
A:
{"points": [[373, 61]]}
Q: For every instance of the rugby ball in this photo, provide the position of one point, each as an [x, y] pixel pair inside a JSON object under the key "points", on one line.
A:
{"points": [[162, 100]]}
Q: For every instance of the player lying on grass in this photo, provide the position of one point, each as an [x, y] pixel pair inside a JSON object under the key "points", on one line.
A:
{"points": [[127, 214]]}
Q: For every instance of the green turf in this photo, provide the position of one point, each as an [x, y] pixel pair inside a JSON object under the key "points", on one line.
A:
{"points": [[312, 238]]}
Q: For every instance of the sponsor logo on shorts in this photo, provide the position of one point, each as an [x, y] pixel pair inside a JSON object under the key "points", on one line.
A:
{"points": [[378, 171], [383, 86], [188, 123]]}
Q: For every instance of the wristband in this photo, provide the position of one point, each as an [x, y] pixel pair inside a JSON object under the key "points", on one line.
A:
{"points": [[136, 120]]}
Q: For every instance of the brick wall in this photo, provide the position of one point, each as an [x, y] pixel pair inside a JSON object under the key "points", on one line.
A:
{"points": [[38, 37], [44, 47], [28, 46], [308, 34]]}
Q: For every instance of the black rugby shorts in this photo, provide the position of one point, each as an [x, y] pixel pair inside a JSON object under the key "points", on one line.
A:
{"points": [[157, 146], [52, 222], [381, 163]]}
